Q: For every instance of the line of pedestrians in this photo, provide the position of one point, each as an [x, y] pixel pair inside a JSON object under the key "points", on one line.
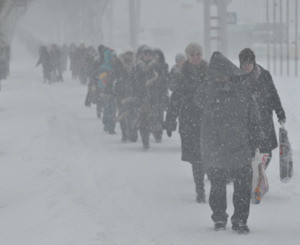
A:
{"points": [[224, 113]]}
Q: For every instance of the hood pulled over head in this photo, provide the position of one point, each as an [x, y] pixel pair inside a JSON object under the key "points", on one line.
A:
{"points": [[220, 66]]}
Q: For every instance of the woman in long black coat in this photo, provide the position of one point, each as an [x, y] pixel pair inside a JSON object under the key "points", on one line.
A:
{"points": [[182, 106], [158, 91]]}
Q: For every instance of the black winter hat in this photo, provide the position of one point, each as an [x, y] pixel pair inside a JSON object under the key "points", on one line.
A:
{"points": [[101, 48], [247, 55]]}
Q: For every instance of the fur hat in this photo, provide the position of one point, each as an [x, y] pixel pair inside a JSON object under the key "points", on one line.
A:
{"points": [[193, 48], [247, 55], [179, 56], [147, 49], [128, 50]]}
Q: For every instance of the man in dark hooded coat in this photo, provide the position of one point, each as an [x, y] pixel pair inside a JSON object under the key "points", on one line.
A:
{"points": [[266, 95], [230, 134]]}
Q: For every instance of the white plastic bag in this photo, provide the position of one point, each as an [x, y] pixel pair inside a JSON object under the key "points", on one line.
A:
{"points": [[260, 185]]}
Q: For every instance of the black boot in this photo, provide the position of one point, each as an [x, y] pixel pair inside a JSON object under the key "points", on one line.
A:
{"points": [[220, 225], [241, 228], [201, 198]]}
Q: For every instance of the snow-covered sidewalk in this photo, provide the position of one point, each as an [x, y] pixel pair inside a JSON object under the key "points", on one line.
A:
{"points": [[64, 181]]}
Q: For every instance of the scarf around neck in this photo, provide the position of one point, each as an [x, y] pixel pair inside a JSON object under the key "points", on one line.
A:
{"points": [[255, 73]]}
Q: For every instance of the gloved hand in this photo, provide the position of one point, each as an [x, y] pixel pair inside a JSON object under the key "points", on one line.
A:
{"points": [[169, 133], [128, 100], [87, 103], [282, 121]]}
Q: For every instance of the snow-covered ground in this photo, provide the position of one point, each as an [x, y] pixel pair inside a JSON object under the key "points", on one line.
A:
{"points": [[64, 181]]}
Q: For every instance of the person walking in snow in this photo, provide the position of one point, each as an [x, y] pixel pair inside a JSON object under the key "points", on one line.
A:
{"points": [[55, 60], [106, 85], [64, 57], [176, 70], [82, 63], [158, 91], [266, 95], [45, 61], [73, 64], [143, 77], [93, 93], [123, 95], [230, 133], [182, 106], [3, 74]]}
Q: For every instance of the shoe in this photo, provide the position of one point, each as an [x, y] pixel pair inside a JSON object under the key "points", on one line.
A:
{"points": [[133, 140], [235, 226], [87, 103], [111, 132], [220, 225], [146, 147], [240, 228], [158, 139], [201, 198], [243, 229]]}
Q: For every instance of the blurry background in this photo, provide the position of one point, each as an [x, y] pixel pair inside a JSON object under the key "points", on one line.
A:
{"points": [[270, 27]]}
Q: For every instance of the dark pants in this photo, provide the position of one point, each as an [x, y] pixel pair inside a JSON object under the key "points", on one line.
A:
{"points": [[98, 108], [109, 115], [145, 129], [129, 131], [242, 183], [157, 122], [198, 174]]}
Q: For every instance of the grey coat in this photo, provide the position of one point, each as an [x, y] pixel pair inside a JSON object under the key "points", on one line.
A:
{"points": [[182, 106], [230, 123]]}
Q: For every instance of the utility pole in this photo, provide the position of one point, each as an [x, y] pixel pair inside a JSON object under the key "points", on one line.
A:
{"points": [[274, 37], [288, 37], [133, 23], [296, 38], [110, 22], [222, 12], [268, 33], [220, 18], [207, 28]]}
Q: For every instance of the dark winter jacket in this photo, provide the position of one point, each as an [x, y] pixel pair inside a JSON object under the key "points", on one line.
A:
{"points": [[175, 74], [46, 63], [159, 89], [140, 74], [72, 56], [268, 100], [230, 123], [55, 58], [123, 85], [182, 106], [106, 75]]}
